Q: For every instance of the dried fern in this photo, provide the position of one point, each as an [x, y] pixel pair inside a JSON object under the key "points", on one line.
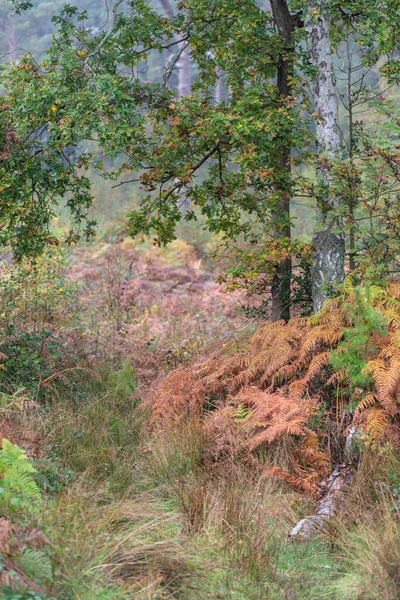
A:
{"points": [[24, 562], [269, 386]]}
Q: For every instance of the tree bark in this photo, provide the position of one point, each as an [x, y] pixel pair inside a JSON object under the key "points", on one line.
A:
{"points": [[183, 66], [219, 88], [328, 240], [311, 525], [184, 84], [281, 283], [12, 41]]}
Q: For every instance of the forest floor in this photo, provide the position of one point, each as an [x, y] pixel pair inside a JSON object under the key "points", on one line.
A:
{"points": [[134, 514]]}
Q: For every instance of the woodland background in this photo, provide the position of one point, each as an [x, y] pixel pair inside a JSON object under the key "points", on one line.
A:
{"points": [[163, 429]]}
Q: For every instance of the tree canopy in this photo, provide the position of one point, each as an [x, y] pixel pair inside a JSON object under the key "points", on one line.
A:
{"points": [[238, 149]]}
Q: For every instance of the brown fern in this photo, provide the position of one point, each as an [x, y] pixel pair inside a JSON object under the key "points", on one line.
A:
{"points": [[280, 374], [13, 538], [368, 401], [376, 424]]}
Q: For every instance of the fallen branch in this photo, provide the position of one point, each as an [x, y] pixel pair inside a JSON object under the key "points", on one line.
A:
{"points": [[312, 524]]}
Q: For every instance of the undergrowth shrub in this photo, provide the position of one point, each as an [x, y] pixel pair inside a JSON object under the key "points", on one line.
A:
{"points": [[340, 366], [9, 594], [38, 306], [156, 308], [373, 491], [242, 517], [238, 517], [25, 566], [51, 475], [115, 550], [18, 490], [95, 433]]}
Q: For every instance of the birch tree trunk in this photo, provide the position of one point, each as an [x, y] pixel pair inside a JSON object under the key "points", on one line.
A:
{"points": [[219, 88], [184, 87], [328, 240], [183, 66], [12, 41]]}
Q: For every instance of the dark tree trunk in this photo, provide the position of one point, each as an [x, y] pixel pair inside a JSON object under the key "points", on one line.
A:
{"points": [[286, 25], [283, 273]]}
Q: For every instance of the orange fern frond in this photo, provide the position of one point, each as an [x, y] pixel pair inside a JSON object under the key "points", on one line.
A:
{"points": [[391, 317], [376, 424], [338, 378], [393, 375], [377, 369], [316, 365], [320, 335], [386, 379], [282, 375], [368, 401], [297, 388]]}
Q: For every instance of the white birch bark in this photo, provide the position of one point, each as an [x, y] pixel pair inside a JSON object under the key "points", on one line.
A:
{"points": [[184, 87], [184, 74], [183, 65], [219, 87], [326, 508], [328, 242]]}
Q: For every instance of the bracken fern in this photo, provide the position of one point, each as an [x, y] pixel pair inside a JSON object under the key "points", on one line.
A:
{"points": [[270, 386]]}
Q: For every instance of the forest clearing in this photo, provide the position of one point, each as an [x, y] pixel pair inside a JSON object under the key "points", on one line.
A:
{"points": [[199, 300]]}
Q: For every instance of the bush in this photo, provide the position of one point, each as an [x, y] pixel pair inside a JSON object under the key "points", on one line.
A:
{"points": [[24, 566], [280, 384], [36, 305], [18, 490]]}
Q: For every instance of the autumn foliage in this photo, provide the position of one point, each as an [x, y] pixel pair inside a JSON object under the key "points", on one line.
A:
{"points": [[294, 383]]}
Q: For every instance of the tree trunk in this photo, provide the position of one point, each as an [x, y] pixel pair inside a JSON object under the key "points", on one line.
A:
{"points": [[281, 283], [219, 87], [12, 42], [328, 240], [183, 65], [311, 525], [280, 290], [184, 85], [184, 75]]}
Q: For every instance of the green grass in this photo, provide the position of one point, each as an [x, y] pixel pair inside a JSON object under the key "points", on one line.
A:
{"points": [[137, 515]]}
